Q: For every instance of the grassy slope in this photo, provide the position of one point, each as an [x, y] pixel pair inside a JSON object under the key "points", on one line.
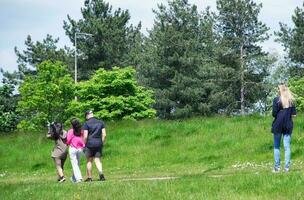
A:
{"points": [[213, 158]]}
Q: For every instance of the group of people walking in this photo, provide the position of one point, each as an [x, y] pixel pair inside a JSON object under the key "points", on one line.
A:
{"points": [[88, 139]]}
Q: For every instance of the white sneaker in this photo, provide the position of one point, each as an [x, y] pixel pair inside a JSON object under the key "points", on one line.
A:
{"points": [[61, 180], [286, 170]]}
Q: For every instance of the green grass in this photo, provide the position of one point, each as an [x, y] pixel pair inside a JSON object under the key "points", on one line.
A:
{"points": [[211, 158]]}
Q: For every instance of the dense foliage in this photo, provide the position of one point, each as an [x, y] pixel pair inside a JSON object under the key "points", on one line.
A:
{"points": [[113, 95], [241, 34], [297, 87], [178, 61], [45, 96], [8, 114], [205, 63]]}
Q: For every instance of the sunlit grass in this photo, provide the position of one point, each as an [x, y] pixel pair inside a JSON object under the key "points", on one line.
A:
{"points": [[210, 158]]}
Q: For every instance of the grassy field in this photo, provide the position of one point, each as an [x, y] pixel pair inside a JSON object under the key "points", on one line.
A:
{"points": [[201, 158]]}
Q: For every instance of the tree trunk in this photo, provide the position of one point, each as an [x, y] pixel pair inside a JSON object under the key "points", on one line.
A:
{"points": [[242, 70]]}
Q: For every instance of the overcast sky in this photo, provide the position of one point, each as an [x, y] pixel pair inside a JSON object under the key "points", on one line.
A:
{"points": [[19, 18]]}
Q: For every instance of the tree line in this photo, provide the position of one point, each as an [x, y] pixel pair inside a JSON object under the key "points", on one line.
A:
{"points": [[190, 63]]}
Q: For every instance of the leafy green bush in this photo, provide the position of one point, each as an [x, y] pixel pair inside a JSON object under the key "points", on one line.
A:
{"points": [[113, 95], [45, 96], [297, 87]]}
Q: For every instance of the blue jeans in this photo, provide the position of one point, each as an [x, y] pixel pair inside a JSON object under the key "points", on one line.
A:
{"points": [[286, 142]]}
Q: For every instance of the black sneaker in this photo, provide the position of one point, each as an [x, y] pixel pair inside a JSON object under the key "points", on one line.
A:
{"points": [[101, 177], [276, 170], [61, 179], [88, 180]]}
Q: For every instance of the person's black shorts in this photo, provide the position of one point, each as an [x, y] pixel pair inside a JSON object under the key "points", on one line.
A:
{"points": [[93, 152]]}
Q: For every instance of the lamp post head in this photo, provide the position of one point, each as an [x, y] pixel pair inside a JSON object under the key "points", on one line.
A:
{"points": [[85, 34]]}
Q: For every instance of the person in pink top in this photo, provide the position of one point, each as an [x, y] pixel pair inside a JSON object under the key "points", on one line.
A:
{"points": [[76, 143]]}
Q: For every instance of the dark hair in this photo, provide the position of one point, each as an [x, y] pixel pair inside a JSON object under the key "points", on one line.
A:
{"points": [[76, 126], [88, 112], [56, 130]]}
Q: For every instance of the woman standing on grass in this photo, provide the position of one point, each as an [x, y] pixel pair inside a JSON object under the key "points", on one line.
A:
{"points": [[59, 152], [283, 109], [74, 139]]}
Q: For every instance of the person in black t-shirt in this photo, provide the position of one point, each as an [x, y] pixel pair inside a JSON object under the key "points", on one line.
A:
{"points": [[94, 138]]}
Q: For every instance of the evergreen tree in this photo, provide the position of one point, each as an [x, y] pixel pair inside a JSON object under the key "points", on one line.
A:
{"points": [[292, 40], [177, 61], [38, 52], [241, 33], [112, 41], [34, 54], [8, 102]]}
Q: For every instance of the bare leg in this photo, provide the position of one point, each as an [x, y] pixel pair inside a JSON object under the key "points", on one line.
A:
{"points": [[89, 167], [59, 165], [98, 164]]}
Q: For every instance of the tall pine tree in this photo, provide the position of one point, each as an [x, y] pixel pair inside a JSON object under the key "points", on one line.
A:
{"points": [[177, 61], [33, 55], [241, 34], [112, 41], [292, 39]]}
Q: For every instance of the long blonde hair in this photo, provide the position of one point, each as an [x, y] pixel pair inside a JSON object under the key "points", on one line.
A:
{"points": [[286, 96]]}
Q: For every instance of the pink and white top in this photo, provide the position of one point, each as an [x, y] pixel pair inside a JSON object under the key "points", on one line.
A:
{"points": [[75, 141]]}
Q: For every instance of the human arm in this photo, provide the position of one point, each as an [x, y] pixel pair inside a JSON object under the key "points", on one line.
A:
{"points": [[63, 135], [48, 136], [275, 107], [85, 133], [293, 111], [85, 136], [103, 135]]}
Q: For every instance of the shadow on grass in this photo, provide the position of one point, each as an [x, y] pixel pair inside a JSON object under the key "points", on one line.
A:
{"points": [[210, 158], [206, 172], [265, 148], [38, 166], [219, 167], [160, 137]]}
